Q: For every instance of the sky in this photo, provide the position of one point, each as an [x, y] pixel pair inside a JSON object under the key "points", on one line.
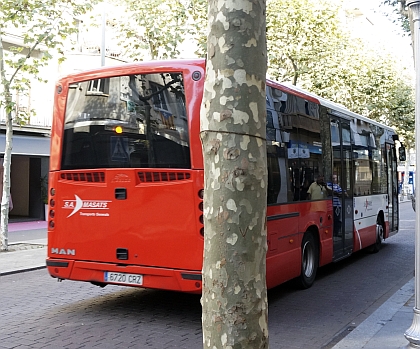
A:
{"points": [[386, 32], [379, 12]]}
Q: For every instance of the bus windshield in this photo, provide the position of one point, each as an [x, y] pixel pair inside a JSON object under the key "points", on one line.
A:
{"points": [[127, 121]]}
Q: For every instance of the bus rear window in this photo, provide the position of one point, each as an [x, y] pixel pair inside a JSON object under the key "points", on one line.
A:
{"points": [[127, 121]]}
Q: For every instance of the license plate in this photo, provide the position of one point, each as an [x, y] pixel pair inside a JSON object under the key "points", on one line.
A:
{"points": [[123, 278]]}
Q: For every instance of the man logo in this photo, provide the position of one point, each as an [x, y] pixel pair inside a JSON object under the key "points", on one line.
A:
{"points": [[62, 251]]}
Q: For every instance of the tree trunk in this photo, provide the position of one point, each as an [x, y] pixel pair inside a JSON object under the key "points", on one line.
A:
{"points": [[5, 196], [233, 114]]}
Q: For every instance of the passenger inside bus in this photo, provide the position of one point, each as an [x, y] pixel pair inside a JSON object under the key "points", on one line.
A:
{"points": [[318, 189]]}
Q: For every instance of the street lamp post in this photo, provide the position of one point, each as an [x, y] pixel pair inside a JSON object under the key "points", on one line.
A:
{"points": [[413, 333]]}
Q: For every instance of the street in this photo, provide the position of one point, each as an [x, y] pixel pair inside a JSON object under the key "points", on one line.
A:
{"points": [[39, 312], [27, 235]]}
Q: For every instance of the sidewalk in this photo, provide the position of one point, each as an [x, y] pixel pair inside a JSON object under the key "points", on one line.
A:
{"points": [[24, 255], [383, 329]]}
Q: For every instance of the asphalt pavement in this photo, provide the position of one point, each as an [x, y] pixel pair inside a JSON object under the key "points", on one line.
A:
{"points": [[383, 329]]}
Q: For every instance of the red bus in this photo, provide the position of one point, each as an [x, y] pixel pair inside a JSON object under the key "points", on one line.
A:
{"points": [[126, 179]]}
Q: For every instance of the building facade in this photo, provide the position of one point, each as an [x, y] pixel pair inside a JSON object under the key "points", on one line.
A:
{"points": [[31, 142]]}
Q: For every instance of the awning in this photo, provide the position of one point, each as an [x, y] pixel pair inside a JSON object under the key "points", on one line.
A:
{"points": [[27, 145]]}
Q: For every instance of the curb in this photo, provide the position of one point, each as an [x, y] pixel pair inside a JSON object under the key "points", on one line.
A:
{"points": [[22, 260], [17, 271]]}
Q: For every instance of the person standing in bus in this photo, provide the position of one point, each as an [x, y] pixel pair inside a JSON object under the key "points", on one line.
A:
{"points": [[337, 193], [317, 190]]}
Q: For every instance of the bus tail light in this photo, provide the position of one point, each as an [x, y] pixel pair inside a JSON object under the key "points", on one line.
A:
{"points": [[51, 212]]}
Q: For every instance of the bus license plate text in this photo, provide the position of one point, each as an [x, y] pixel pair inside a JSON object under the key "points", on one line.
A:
{"points": [[122, 278]]}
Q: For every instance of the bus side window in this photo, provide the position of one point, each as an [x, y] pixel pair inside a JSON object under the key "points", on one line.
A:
{"points": [[277, 172], [273, 175], [276, 155], [306, 151], [294, 185]]}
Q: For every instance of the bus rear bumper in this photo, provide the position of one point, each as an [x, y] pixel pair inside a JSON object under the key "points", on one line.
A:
{"points": [[151, 277]]}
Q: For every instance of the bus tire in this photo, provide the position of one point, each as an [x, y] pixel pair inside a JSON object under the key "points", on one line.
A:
{"points": [[379, 236], [310, 261]]}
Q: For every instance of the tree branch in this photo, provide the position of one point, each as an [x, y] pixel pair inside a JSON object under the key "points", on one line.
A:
{"points": [[31, 49]]}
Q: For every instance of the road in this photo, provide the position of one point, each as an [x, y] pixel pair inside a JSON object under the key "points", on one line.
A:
{"points": [[26, 235], [39, 312]]}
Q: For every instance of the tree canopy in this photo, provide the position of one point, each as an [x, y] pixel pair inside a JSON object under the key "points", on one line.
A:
{"points": [[299, 35], [157, 29], [399, 12], [310, 46], [41, 27], [308, 43]]}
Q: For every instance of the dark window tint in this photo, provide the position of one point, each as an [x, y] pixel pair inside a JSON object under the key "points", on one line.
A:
{"points": [[127, 121], [294, 149]]}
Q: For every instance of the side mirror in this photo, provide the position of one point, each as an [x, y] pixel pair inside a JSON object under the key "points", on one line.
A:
{"points": [[401, 153]]}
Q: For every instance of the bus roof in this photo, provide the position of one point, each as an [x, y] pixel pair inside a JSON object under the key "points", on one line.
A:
{"points": [[126, 68]]}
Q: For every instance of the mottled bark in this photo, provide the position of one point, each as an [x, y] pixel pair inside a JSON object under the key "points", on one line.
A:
{"points": [[233, 125]]}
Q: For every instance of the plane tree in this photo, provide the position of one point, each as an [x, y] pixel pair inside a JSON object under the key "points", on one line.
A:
{"points": [[367, 82], [43, 27], [154, 29], [233, 132], [400, 13], [309, 46], [299, 35]]}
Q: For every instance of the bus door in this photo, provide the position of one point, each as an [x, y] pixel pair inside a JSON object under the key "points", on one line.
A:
{"points": [[391, 162], [343, 194]]}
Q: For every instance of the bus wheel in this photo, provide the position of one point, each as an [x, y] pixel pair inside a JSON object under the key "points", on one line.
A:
{"points": [[379, 236], [309, 261]]}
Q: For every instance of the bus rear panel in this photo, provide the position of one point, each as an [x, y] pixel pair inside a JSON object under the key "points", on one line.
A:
{"points": [[127, 204]]}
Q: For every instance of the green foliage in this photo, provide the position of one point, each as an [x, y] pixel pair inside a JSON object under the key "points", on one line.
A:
{"points": [[44, 189], [309, 47], [157, 29], [197, 25], [43, 27], [369, 83], [154, 26], [398, 16], [298, 34]]}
